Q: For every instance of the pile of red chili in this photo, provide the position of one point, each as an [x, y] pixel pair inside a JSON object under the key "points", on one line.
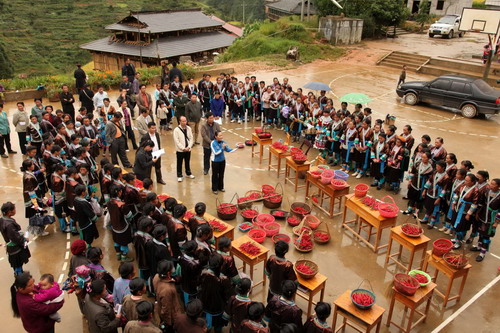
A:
{"points": [[456, 259], [370, 202], [303, 268], [249, 213], [293, 221], [267, 189], [243, 199], [279, 213], [250, 248], [411, 229], [254, 196], [217, 226], [362, 299], [421, 278], [305, 242], [316, 173], [246, 226], [227, 208], [273, 197], [264, 218], [300, 211], [299, 157]]}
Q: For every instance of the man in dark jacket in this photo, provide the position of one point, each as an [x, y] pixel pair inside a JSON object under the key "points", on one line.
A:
{"points": [[80, 77], [153, 136], [67, 101], [208, 130], [175, 72], [128, 70], [180, 101], [115, 138], [193, 115]]}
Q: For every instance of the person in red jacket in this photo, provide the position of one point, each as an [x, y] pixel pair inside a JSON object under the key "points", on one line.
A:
{"points": [[34, 315]]}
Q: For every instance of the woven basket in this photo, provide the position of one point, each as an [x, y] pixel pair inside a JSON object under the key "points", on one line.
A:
{"points": [[362, 291], [272, 229], [405, 289], [324, 231], [311, 265], [447, 256], [303, 205], [298, 240], [248, 219], [244, 204], [388, 209], [281, 237], [311, 221], [278, 217], [416, 271]]}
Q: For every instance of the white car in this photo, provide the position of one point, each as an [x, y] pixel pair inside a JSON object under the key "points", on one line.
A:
{"points": [[447, 26]]}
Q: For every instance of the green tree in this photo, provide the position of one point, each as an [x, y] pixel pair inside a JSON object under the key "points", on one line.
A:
{"points": [[423, 16], [6, 68]]}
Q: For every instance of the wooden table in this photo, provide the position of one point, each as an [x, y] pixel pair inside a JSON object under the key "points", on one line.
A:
{"points": [[327, 191], [410, 243], [280, 154], [229, 232], [250, 260], [422, 295], [261, 143], [290, 164], [310, 288], [452, 274], [366, 319], [372, 219]]}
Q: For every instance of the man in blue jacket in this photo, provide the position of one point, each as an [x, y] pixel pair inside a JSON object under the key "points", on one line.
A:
{"points": [[218, 147], [217, 105]]}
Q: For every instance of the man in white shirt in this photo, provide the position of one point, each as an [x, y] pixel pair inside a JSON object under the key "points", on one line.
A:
{"points": [[142, 122], [99, 97], [183, 138], [153, 135]]}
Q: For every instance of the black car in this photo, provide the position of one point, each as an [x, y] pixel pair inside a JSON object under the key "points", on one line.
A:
{"points": [[470, 95]]}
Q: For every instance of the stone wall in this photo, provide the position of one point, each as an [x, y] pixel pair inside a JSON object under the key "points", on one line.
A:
{"points": [[341, 30], [23, 95]]}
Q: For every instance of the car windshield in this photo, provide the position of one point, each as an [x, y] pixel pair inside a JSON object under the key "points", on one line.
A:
{"points": [[447, 20], [485, 87]]}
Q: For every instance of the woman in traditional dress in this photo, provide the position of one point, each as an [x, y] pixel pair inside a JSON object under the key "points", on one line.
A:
{"points": [[464, 205], [282, 309], [418, 177], [379, 152], [434, 193], [120, 217], [16, 244], [348, 144], [393, 170], [363, 147]]}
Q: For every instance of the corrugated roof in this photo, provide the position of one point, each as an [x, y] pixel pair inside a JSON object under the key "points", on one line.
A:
{"points": [[167, 21], [291, 6], [167, 47], [229, 27], [492, 3]]}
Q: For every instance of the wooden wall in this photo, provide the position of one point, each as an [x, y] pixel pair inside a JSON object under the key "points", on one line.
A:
{"points": [[112, 62]]}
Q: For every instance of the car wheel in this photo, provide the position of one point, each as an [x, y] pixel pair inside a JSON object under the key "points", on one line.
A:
{"points": [[411, 98], [450, 35], [461, 34], [469, 111], [431, 35]]}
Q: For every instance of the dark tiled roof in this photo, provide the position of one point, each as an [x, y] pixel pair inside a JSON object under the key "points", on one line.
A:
{"points": [[167, 21], [291, 6], [167, 47]]}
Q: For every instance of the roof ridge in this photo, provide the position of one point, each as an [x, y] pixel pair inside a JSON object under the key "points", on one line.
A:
{"points": [[167, 11]]}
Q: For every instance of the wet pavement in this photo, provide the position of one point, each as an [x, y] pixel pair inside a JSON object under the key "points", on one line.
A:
{"points": [[345, 261]]}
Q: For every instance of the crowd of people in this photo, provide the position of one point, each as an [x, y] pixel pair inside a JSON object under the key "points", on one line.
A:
{"points": [[177, 262]]}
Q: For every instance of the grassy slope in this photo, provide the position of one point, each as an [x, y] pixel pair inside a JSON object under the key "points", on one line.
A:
{"points": [[269, 41], [43, 36]]}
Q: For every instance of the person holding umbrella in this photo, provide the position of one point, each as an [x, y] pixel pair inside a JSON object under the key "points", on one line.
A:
{"points": [[218, 147]]}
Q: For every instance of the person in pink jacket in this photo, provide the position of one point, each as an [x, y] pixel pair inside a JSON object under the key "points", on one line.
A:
{"points": [[47, 291]]}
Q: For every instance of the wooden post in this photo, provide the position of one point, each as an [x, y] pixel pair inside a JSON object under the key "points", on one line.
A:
{"points": [[302, 10], [308, 10]]}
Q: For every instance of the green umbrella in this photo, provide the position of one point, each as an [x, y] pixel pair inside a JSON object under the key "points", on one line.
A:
{"points": [[355, 98]]}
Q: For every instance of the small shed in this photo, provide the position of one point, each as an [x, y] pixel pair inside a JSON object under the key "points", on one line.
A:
{"points": [[340, 30]]}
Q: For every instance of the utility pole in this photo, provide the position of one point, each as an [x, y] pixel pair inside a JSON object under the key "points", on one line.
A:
{"points": [[308, 10], [243, 12], [490, 58], [302, 10]]}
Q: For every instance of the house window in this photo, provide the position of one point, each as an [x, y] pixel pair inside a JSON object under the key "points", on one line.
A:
{"points": [[440, 5]]}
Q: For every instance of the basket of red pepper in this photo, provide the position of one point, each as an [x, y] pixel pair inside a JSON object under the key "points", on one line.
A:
{"points": [[250, 248], [456, 261], [294, 150], [304, 242], [263, 219], [327, 176], [388, 209], [299, 158], [273, 200], [243, 202], [249, 214], [421, 276], [257, 235], [441, 246], [293, 220], [316, 173], [322, 236], [406, 284], [363, 298], [300, 209], [272, 229], [306, 269], [226, 211], [311, 221], [278, 214], [250, 143], [281, 237], [267, 189], [279, 145], [412, 230], [360, 190], [245, 226]]}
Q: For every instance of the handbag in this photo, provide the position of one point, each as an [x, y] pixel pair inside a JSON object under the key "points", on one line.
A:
{"points": [[39, 220], [96, 207]]}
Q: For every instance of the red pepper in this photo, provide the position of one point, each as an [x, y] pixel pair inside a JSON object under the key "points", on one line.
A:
{"points": [[189, 215], [305, 241], [293, 221], [301, 211], [227, 208], [362, 299], [303, 268], [279, 213], [218, 226], [421, 278], [321, 236], [250, 248], [411, 229], [249, 213], [254, 196]]}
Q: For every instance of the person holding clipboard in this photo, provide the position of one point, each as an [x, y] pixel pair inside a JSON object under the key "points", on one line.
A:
{"points": [[218, 147]]}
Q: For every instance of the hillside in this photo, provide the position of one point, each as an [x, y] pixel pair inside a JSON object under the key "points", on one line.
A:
{"points": [[43, 36]]}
